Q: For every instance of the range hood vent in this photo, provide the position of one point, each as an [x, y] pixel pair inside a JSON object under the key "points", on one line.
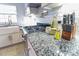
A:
{"points": [[34, 5]]}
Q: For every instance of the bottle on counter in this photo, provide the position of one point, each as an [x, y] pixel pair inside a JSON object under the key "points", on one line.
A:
{"points": [[57, 35]]}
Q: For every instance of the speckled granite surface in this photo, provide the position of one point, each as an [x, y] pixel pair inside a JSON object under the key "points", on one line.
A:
{"points": [[45, 45]]}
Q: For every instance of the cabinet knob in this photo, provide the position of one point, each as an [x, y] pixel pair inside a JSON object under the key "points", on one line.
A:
{"points": [[10, 37]]}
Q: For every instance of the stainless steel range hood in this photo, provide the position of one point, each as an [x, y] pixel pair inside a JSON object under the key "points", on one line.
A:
{"points": [[40, 8]]}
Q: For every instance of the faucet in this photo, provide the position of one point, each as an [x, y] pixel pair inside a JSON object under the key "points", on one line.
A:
{"points": [[9, 20]]}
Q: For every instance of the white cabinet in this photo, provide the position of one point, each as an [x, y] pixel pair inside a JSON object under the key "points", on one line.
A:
{"points": [[14, 50], [10, 35], [16, 37], [4, 40]]}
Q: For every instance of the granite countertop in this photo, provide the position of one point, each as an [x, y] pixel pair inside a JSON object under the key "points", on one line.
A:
{"points": [[45, 45]]}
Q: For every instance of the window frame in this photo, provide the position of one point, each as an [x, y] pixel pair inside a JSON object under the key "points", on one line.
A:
{"points": [[9, 14]]}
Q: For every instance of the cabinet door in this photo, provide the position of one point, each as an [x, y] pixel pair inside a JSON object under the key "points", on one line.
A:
{"points": [[4, 40], [17, 37], [14, 50]]}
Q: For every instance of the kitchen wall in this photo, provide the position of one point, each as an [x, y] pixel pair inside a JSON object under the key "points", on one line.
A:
{"points": [[47, 19]]}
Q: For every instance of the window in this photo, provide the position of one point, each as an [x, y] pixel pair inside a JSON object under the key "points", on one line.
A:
{"points": [[7, 13], [68, 9]]}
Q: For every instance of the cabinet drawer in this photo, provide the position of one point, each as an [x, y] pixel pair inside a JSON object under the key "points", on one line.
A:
{"points": [[17, 37], [4, 40], [14, 50], [10, 29], [9, 39]]}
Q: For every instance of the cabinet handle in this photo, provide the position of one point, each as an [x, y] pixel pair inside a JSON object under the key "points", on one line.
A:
{"points": [[10, 37]]}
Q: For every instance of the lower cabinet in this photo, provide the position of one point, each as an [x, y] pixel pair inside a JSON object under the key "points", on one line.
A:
{"points": [[10, 41], [16, 37], [4, 40], [14, 50]]}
